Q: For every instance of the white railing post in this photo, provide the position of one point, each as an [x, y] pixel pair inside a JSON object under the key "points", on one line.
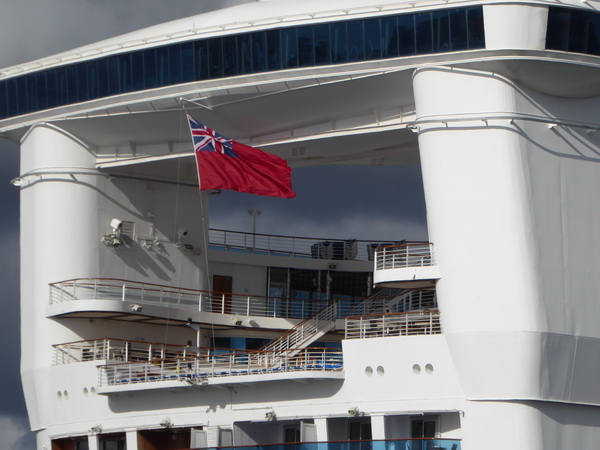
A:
{"points": [[123, 290]]}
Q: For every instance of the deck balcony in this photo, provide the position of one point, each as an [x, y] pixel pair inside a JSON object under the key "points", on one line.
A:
{"points": [[137, 301], [407, 265], [397, 324], [217, 369]]}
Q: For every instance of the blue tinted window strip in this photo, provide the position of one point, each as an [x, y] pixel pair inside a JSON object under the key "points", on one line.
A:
{"points": [[272, 50], [573, 30]]}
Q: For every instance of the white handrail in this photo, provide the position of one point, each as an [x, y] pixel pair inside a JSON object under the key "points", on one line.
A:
{"points": [[388, 325]]}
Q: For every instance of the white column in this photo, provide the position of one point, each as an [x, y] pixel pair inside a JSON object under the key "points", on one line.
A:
{"points": [[131, 439]]}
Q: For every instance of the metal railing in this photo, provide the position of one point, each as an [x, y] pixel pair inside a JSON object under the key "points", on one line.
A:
{"points": [[404, 255], [196, 369], [120, 350], [195, 300], [388, 444], [305, 332], [398, 324], [293, 246]]}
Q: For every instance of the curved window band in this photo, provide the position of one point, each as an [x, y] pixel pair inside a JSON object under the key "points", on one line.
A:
{"points": [[439, 31]]}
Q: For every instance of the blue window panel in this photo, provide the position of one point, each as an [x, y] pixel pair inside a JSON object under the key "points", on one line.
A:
{"points": [[274, 50], [137, 71], [113, 76], [103, 78], [389, 37], [3, 100], [162, 66], [175, 72], [339, 42], [32, 93], [259, 52], [594, 34], [187, 62], [244, 48], [201, 59], [93, 80], [557, 34], [372, 39], [125, 73], [72, 91], [322, 44], [458, 29], [22, 95], [61, 87], [406, 35], [215, 69], [356, 41], [150, 72], [424, 33], [83, 91], [306, 46], [230, 58], [41, 91], [475, 27], [441, 31], [289, 47], [578, 32], [52, 88], [12, 94]]}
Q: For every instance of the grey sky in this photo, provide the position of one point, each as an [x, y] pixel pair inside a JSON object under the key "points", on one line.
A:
{"points": [[31, 29]]}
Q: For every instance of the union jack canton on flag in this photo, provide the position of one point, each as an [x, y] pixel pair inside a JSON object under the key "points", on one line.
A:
{"points": [[226, 164]]}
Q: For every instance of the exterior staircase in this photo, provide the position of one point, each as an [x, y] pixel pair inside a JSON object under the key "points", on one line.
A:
{"points": [[305, 333]]}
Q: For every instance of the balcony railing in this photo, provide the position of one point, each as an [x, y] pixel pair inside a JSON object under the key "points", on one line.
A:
{"points": [[300, 247], [398, 324], [194, 300], [404, 255], [197, 369], [121, 350], [390, 444]]}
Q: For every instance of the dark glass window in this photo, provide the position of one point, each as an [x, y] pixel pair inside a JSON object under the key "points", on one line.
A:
{"points": [[201, 60], [125, 73], [11, 94], [175, 70], [83, 88], [92, 75], [289, 47], [322, 44], [339, 42], [150, 72], [424, 33], [3, 100], [441, 31], [476, 31], [162, 66], [406, 34], [51, 81], [230, 60], [187, 62], [71, 85], [113, 75], [273, 50], [458, 29], [389, 37], [244, 46], [137, 71], [594, 35], [557, 34], [215, 68], [372, 39], [259, 52], [306, 47], [356, 41]]}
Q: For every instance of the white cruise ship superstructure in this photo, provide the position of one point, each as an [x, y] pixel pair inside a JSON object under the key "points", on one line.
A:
{"points": [[145, 328]]}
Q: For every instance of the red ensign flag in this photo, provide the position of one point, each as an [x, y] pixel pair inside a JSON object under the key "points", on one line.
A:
{"points": [[227, 164]]}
